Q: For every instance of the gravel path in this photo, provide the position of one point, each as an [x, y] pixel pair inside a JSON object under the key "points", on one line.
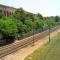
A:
{"points": [[22, 53]]}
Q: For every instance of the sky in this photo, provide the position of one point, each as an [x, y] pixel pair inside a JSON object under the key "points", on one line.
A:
{"points": [[44, 7]]}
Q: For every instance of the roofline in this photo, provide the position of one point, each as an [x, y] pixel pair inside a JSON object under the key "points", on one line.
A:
{"points": [[7, 6]]}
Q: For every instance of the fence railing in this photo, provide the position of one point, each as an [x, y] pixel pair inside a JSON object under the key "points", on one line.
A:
{"points": [[24, 42]]}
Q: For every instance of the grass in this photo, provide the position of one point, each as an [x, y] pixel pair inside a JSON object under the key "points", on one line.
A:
{"points": [[50, 51]]}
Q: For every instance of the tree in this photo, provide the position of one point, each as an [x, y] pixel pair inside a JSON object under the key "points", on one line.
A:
{"points": [[39, 16], [39, 25], [20, 14], [1, 15], [29, 24], [57, 19], [8, 27]]}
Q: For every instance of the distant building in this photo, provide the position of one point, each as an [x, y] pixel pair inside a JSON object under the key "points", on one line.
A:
{"points": [[7, 10]]}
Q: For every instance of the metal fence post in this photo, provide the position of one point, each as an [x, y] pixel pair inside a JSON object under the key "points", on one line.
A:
{"points": [[33, 34], [49, 33]]}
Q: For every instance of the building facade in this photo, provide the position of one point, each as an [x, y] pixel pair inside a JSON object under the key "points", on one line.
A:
{"points": [[7, 10]]}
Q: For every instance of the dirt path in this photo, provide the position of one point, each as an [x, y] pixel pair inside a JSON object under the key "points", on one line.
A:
{"points": [[22, 53]]}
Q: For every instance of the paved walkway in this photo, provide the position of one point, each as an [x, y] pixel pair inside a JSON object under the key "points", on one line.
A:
{"points": [[22, 53]]}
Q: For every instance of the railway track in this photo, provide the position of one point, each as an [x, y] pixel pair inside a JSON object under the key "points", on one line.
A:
{"points": [[5, 50]]}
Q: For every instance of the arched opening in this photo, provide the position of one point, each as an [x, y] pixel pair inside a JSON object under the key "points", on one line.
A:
{"points": [[0, 11], [7, 13], [4, 12]]}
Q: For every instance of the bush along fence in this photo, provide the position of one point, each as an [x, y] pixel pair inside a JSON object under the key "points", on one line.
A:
{"points": [[23, 24]]}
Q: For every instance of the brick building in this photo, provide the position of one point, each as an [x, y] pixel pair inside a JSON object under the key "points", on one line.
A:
{"points": [[7, 10]]}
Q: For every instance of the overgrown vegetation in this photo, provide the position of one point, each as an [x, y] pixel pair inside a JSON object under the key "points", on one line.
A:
{"points": [[23, 22]]}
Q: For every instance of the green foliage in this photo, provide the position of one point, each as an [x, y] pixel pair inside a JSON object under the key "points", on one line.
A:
{"points": [[21, 27], [20, 14], [1, 15], [8, 26], [29, 24], [39, 16], [23, 22], [57, 18], [39, 24]]}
